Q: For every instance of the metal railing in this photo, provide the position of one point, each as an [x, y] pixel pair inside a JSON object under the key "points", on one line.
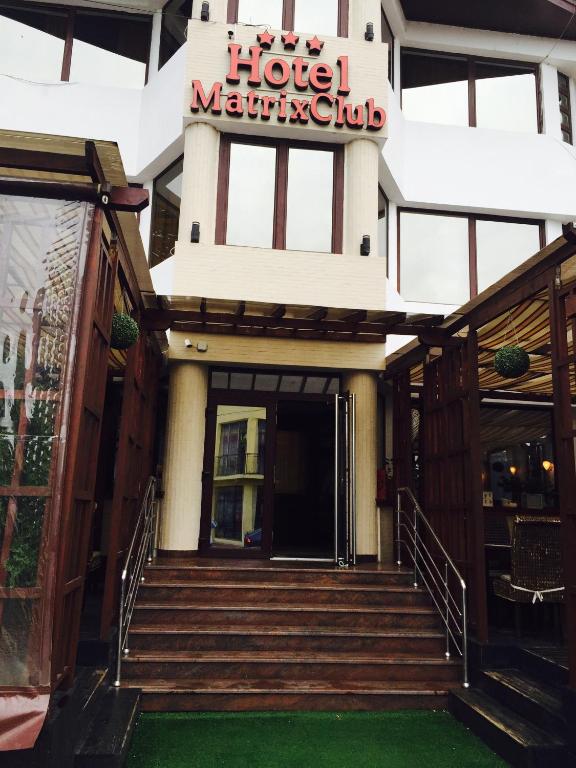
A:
{"points": [[240, 464], [141, 550], [436, 571]]}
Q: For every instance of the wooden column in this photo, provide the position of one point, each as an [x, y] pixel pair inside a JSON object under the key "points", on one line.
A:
{"points": [[183, 462]]}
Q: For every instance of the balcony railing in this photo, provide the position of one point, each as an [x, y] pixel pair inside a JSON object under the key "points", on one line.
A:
{"points": [[239, 464]]}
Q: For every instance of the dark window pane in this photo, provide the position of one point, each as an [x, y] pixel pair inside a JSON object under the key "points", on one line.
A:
{"points": [[251, 195], [565, 110], [175, 17], [319, 17], [260, 12], [501, 246], [165, 214], [434, 255], [382, 224], [435, 88], [506, 98], [110, 48], [32, 41], [309, 207], [388, 37]]}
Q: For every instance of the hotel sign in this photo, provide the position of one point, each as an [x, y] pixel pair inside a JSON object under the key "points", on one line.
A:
{"points": [[293, 81]]}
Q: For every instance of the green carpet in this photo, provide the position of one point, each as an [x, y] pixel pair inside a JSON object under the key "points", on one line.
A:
{"points": [[415, 739]]}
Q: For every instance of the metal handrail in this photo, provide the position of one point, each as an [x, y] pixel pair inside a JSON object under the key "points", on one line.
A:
{"points": [[141, 550], [452, 608]]}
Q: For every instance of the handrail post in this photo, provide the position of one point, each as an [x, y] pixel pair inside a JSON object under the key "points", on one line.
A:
{"points": [[447, 598], [415, 545], [120, 630], [398, 530], [466, 683]]}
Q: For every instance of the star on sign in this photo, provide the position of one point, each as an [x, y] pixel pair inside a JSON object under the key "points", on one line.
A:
{"points": [[314, 45], [266, 39], [290, 40]]}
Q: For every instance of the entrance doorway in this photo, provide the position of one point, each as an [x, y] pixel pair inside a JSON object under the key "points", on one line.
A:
{"points": [[276, 471]]}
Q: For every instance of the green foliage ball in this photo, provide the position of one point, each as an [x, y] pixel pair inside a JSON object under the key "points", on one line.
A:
{"points": [[125, 331], [511, 362]]}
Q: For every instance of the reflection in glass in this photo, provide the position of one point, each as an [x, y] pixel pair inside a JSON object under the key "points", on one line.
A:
{"points": [[506, 98], [267, 12], [434, 258], [319, 17], [238, 481], [382, 224], [32, 42], [501, 247], [110, 49], [42, 248], [166, 213], [435, 89], [309, 206], [175, 17], [251, 195]]}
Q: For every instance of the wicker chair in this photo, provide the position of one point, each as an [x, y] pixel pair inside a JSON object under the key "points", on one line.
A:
{"points": [[536, 564]]}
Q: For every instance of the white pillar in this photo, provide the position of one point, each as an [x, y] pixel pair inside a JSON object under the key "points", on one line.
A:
{"points": [[183, 461], [145, 222], [361, 196], [364, 385], [155, 44], [199, 182], [550, 105], [359, 14]]}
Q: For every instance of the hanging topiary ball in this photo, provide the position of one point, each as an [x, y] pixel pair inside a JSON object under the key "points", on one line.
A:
{"points": [[125, 331], [511, 362]]}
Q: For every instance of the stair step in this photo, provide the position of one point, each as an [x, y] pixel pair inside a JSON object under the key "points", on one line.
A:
{"points": [[263, 694], [531, 698], [109, 738], [188, 665], [313, 575], [507, 733], [226, 637], [286, 614], [215, 593]]}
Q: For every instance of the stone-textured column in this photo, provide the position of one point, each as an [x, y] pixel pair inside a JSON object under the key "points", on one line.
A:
{"points": [[183, 461], [361, 196], [199, 182], [359, 14], [364, 386]]}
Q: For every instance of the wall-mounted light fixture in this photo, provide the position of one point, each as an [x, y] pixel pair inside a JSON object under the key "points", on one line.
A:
{"points": [[547, 465], [365, 246], [205, 12], [195, 235], [369, 34], [512, 469]]}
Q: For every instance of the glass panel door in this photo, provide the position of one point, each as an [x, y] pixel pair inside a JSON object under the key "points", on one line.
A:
{"points": [[239, 477], [345, 486]]}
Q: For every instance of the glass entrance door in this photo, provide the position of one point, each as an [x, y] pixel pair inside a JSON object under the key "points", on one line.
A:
{"points": [[345, 480]]}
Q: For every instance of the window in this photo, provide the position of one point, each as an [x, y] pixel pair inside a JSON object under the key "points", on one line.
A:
{"points": [[459, 90], [565, 109], [283, 195], [232, 458], [382, 225], [388, 37], [83, 45], [175, 17], [321, 17], [165, 213], [228, 513], [447, 258]]}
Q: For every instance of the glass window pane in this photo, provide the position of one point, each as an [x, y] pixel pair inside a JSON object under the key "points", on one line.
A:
{"points": [[261, 12], [291, 384], [506, 98], [434, 258], [110, 49], [501, 247], [309, 207], [382, 224], [388, 37], [319, 17], [241, 380], [175, 17], [266, 382], [251, 195], [435, 89], [166, 213], [32, 42], [219, 380]]}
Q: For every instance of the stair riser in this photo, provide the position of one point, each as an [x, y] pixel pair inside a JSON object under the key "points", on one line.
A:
{"points": [[181, 672], [522, 705], [419, 646], [282, 576], [279, 618], [276, 595], [159, 702]]}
